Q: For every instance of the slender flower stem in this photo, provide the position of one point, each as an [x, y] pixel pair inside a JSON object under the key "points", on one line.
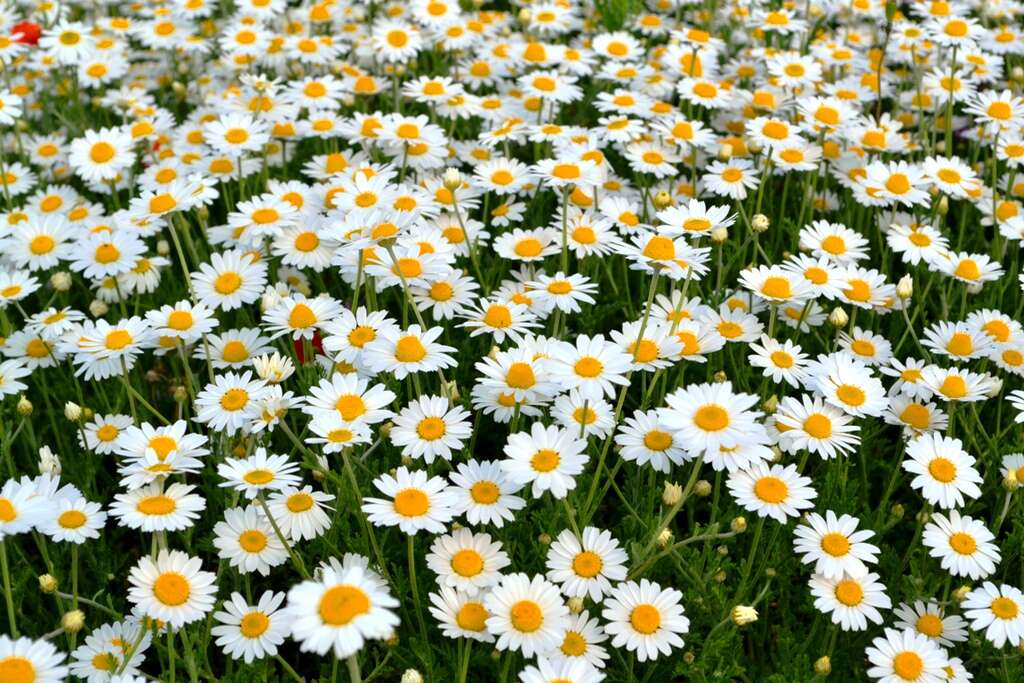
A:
{"points": [[296, 558], [411, 548], [353, 669], [745, 577], [287, 667], [8, 596]]}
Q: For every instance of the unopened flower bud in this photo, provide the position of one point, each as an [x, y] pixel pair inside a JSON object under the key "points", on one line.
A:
{"points": [[702, 488], [720, 377], [823, 666], [61, 281], [760, 223], [662, 200], [49, 463], [725, 152], [838, 317], [163, 248], [98, 308], [1017, 74], [180, 394], [544, 539], [385, 429], [575, 605], [943, 207], [897, 510], [776, 454], [743, 615], [1010, 481], [771, 404], [961, 593], [719, 234], [721, 576], [905, 287], [995, 387], [72, 411], [974, 288], [665, 537], [738, 525], [24, 406], [73, 621], [452, 179], [47, 583], [672, 494], [524, 16], [412, 676]]}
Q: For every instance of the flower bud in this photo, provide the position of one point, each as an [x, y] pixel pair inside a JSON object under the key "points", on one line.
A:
{"points": [[702, 488], [61, 281], [665, 537], [720, 377], [838, 317], [905, 287], [897, 510], [719, 234], [662, 200], [72, 411], [575, 605], [73, 621], [1017, 74], [738, 525], [760, 223], [163, 248], [823, 666], [24, 406], [725, 152], [452, 179], [771, 404], [49, 463], [544, 539], [961, 593], [743, 615], [672, 494], [412, 676], [98, 308], [385, 429], [47, 583], [943, 207], [1010, 481]]}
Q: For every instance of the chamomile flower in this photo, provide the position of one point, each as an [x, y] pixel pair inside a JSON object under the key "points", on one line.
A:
{"points": [[834, 545], [929, 620], [526, 614], [156, 508], [944, 471], [173, 588], [484, 493], [468, 562], [257, 473], [341, 611], [772, 491], [588, 565], [998, 611], [851, 601], [413, 502], [247, 541], [251, 632], [430, 427], [645, 618], [547, 458], [963, 545], [300, 513], [460, 615], [900, 656]]}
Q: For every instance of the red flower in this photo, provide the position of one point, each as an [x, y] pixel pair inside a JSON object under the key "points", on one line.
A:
{"points": [[29, 32], [300, 348]]}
